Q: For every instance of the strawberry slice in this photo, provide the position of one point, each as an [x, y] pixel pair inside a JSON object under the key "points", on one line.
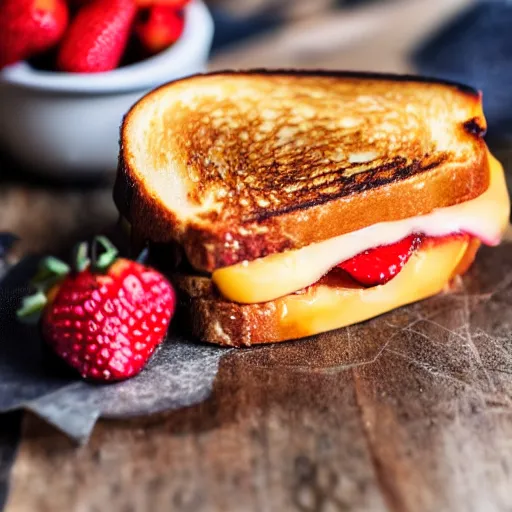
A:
{"points": [[379, 265]]}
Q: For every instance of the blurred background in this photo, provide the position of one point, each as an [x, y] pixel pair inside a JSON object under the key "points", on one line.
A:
{"points": [[361, 34], [48, 204]]}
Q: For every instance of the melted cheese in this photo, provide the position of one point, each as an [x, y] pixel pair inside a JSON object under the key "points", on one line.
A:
{"points": [[485, 217], [323, 308]]}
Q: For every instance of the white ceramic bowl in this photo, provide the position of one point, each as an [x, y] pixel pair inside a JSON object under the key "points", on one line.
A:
{"points": [[67, 124]]}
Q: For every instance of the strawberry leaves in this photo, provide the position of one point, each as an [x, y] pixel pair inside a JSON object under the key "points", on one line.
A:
{"points": [[103, 253]]}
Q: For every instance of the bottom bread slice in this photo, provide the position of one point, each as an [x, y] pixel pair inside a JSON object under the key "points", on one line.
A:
{"points": [[332, 303]]}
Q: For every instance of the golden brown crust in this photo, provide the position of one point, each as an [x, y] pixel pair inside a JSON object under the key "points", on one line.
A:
{"points": [[288, 195], [212, 319]]}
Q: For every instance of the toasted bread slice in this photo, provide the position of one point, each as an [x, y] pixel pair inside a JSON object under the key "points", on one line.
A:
{"points": [[236, 166], [333, 302]]}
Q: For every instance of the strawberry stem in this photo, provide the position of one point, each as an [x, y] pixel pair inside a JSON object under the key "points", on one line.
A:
{"points": [[102, 261], [56, 266], [51, 271], [80, 258], [31, 308]]}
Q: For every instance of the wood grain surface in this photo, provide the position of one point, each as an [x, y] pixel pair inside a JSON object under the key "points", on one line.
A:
{"points": [[409, 412]]}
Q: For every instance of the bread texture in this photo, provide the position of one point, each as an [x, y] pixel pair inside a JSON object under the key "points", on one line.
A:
{"points": [[235, 166]]}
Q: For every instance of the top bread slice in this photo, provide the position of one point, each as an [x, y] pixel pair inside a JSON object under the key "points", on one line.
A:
{"points": [[234, 166]]}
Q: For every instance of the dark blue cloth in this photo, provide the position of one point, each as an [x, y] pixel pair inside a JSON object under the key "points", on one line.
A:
{"points": [[476, 48]]}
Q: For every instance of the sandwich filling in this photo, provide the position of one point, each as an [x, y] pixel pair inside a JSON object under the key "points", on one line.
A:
{"points": [[335, 302], [389, 245]]}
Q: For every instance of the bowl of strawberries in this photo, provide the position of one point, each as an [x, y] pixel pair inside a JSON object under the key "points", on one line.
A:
{"points": [[70, 70]]}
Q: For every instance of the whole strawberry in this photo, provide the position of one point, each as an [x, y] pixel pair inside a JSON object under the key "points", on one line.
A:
{"points": [[105, 318], [97, 37], [158, 27], [29, 27]]}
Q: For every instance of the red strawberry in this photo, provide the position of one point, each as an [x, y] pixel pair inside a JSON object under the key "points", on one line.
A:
{"points": [[97, 37], [106, 319], [379, 265], [159, 27], [29, 27]]}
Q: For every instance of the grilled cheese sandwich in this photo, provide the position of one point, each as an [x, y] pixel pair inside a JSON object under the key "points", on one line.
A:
{"points": [[300, 202]]}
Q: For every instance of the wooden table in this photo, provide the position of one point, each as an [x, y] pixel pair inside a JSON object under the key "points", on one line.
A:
{"points": [[418, 418]]}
